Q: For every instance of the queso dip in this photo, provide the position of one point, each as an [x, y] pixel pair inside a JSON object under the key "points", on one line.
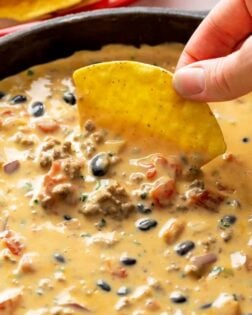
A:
{"points": [[93, 224]]}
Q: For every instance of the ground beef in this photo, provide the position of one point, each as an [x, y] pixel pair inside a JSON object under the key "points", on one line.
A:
{"points": [[24, 140], [112, 200], [89, 147], [50, 143], [72, 168], [97, 137], [192, 172], [197, 183], [45, 161], [89, 125], [53, 150], [66, 192], [46, 201], [67, 147], [60, 183]]}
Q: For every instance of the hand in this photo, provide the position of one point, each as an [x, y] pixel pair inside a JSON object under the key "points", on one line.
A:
{"points": [[216, 64]]}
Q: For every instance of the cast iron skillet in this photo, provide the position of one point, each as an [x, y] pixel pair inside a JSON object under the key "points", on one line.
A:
{"points": [[61, 37]]}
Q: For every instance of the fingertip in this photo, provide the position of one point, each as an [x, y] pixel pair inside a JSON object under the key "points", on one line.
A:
{"points": [[189, 81]]}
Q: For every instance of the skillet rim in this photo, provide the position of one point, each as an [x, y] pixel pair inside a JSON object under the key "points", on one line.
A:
{"points": [[35, 45]]}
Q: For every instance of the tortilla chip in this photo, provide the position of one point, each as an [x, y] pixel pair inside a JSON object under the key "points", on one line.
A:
{"points": [[138, 99], [23, 10], [78, 7]]}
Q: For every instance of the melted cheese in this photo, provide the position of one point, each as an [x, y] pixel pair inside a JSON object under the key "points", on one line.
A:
{"points": [[66, 253]]}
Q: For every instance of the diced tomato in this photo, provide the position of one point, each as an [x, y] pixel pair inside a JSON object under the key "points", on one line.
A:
{"points": [[9, 300], [50, 182], [14, 246], [176, 167], [205, 198], [48, 125], [162, 166], [170, 164], [151, 172], [163, 193], [53, 177], [12, 241], [161, 160], [55, 168], [153, 165], [6, 112]]}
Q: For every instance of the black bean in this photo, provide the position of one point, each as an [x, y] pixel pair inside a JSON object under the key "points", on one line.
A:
{"points": [[100, 164], [83, 197], [122, 291], [67, 217], [245, 139], [143, 209], [205, 306], [128, 261], [227, 220], [143, 195], [18, 99], [103, 285], [146, 224], [69, 98], [2, 95], [59, 258], [178, 298], [184, 247], [37, 109], [101, 224]]}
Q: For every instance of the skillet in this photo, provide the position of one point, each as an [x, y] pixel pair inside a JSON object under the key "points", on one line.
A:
{"points": [[60, 37]]}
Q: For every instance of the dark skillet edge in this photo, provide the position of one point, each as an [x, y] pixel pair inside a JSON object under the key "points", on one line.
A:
{"points": [[61, 37]]}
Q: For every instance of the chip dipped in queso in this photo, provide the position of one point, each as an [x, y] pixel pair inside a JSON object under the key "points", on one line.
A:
{"points": [[91, 223]]}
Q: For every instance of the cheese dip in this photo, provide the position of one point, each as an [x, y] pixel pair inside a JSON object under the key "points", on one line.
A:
{"points": [[93, 224]]}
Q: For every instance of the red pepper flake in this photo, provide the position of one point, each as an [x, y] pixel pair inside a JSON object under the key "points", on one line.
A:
{"points": [[120, 273]]}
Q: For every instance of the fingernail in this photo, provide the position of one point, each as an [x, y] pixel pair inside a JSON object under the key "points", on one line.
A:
{"points": [[189, 81]]}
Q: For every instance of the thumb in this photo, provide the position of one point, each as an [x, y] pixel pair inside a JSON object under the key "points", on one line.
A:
{"points": [[218, 79]]}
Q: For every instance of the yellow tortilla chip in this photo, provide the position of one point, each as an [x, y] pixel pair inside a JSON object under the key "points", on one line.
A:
{"points": [[22, 10], [138, 99], [78, 7]]}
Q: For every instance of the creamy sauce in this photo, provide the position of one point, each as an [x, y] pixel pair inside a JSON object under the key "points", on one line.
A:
{"points": [[56, 257]]}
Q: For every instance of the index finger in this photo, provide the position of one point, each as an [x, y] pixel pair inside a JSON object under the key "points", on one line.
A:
{"points": [[229, 23]]}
